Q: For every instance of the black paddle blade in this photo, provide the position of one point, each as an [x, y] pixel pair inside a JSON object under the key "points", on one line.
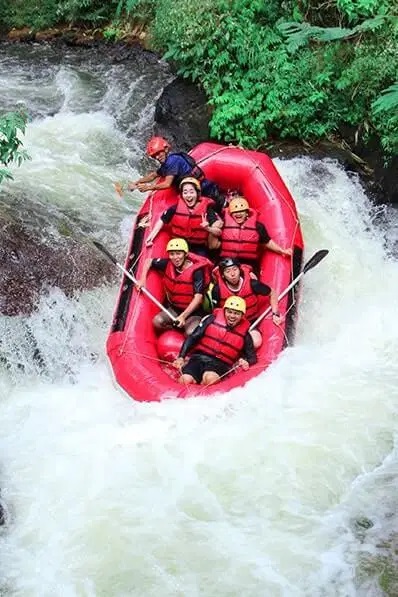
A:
{"points": [[104, 251], [315, 259]]}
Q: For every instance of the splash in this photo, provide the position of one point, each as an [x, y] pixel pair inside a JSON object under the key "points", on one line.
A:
{"points": [[257, 492]]}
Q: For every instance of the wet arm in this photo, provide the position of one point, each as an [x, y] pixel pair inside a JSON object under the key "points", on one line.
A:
{"points": [[147, 266], [147, 178], [265, 290], [158, 186], [193, 305], [273, 301], [273, 246], [248, 352], [196, 335], [155, 230]]}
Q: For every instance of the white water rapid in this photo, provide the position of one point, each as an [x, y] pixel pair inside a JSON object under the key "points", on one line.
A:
{"points": [[281, 489]]}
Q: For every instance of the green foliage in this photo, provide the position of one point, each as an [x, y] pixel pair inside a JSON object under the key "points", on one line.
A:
{"points": [[92, 11], [12, 125], [388, 100], [112, 33], [355, 10], [297, 68], [241, 53], [37, 14], [299, 34], [137, 10], [341, 13], [385, 115]]}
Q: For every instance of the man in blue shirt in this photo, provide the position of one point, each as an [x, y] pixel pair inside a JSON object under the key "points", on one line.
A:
{"points": [[174, 166]]}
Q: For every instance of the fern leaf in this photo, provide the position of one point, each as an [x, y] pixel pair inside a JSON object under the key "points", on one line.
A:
{"points": [[388, 100]]}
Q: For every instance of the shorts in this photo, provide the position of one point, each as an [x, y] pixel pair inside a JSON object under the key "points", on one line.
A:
{"points": [[198, 364]]}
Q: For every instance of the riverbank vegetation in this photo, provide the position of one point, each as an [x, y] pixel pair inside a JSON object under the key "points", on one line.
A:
{"points": [[305, 69]]}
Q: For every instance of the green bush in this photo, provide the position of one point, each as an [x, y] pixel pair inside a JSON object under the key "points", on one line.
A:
{"points": [[94, 12], [37, 14], [297, 68], [269, 72], [12, 125], [142, 11]]}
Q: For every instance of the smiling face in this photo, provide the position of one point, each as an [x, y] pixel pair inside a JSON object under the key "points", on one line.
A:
{"points": [[177, 258], [240, 217], [233, 317], [232, 274], [189, 194], [160, 156]]}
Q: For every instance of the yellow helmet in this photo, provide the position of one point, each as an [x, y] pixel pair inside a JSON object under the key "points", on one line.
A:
{"points": [[191, 180], [235, 302], [238, 204], [177, 244]]}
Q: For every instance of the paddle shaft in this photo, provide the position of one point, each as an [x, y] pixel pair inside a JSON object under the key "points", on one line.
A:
{"points": [[134, 279], [269, 309], [147, 293], [315, 259]]}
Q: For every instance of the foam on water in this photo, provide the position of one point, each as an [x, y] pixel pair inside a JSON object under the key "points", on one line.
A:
{"points": [[251, 493]]}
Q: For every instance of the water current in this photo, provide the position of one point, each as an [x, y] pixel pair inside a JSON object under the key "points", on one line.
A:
{"points": [[287, 487]]}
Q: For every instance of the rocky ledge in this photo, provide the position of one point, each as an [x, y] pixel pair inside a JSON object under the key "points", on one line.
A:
{"points": [[34, 260]]}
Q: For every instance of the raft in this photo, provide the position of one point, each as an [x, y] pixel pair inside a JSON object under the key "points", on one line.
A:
{"points": [[136, 355]]}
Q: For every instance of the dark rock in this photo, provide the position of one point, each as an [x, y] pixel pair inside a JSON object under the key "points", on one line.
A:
{"points": [[182, 114], [33, 261]]}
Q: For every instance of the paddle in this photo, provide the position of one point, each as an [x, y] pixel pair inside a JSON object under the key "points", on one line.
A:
{"points": [[118, 188], [134, 279], [315, 259]]}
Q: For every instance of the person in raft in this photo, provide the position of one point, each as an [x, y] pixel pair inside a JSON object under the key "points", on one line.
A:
{"points": [[185, 278], [192, 218], [243, 235], [232, 278], [174, 166], [217, 343]]}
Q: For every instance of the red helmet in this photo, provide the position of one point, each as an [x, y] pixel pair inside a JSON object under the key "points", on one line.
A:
{"points": [[156, 144]]}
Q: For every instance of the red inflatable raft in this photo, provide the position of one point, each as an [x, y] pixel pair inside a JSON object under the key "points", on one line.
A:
{"points": [[137, 356]]}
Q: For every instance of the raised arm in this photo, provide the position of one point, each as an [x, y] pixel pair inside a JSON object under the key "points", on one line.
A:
{"points": [[143, 180], [154, 232], [156, 185], [147, 266]]}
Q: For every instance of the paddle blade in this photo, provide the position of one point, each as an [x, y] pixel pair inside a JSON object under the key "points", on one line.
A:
{"points": [[104, 251], [118, 188], [315, 259]]}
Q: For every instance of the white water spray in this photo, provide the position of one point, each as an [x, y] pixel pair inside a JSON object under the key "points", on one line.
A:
{"points": [[256, 492]]}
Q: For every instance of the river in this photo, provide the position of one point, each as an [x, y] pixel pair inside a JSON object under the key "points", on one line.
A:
{"points": [[287, 487]]}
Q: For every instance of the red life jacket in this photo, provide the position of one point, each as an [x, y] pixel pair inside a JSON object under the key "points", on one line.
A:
{"points": [[179, 287], [186, 222], [244, 292], [221, 341], [240, 241]]}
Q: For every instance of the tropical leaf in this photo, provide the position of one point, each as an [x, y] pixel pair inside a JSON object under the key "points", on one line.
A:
{"points": [[388, 100], [299, 34]]}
